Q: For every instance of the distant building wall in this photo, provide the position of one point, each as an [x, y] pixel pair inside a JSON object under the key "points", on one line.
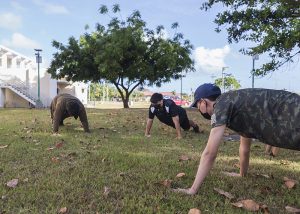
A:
{"points": [[48, 89], [81, 91], [77, 89], [21, 70], [15, 101], [2, 97], [66, 89]]}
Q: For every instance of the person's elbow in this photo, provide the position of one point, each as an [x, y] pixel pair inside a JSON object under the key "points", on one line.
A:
{"points": [[210, 156]]}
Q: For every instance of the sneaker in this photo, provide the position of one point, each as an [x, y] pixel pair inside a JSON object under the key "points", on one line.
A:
{"points": [[196, 129]]}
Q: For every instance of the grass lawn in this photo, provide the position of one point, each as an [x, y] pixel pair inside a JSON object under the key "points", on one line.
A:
{"points": [[115, 169]]}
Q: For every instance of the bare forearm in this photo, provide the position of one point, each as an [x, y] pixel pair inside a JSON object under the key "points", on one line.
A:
{"points": [[148, 126], [177, 126], [205, 166], [178, 130]]}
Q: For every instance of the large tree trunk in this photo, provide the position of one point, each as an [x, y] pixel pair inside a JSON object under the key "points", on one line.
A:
{"points": [[125, 97], [125, 102]]}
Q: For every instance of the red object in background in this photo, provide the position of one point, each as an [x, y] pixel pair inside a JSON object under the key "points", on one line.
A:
{"points": [[181, 102]]}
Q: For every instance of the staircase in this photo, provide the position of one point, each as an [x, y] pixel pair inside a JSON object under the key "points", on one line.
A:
{"points": [[20, 88]]}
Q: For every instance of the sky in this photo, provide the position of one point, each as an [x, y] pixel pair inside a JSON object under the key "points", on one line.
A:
{"points": [[30, 24]]}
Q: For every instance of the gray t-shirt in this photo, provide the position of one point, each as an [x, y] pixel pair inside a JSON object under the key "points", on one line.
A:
{"points": [[272, 116]]}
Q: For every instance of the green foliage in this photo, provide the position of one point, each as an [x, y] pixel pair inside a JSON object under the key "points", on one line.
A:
{"points": [[124, 53], [107, 92], [229, 83], [273, 25]]}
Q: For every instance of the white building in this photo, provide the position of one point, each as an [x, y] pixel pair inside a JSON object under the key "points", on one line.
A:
{"points": [[19, 82]]}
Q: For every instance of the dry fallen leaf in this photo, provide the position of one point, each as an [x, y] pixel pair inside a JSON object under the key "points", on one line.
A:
{"points": [[26, 180], [55, 159], [180, 175], [12, 183], [231, 174], [166, 183], [292, 209], [184, 158], [50, 148], [4, 146], [59, 144], [194, 211], [264, 175], [290, 183], [63, 210], [106, 191], [222, 192], [247, 204]]}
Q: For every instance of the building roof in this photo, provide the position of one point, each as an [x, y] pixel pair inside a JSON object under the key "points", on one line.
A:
{"points": [[147, 92], [5, 50]]}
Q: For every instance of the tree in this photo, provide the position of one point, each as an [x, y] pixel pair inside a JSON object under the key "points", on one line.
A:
{"points": [[102, 91], [273, 25], [229, 83], [125, 53]]}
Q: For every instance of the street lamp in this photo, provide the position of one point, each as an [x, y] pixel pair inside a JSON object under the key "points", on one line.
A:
{"points": [[38, 61], [254, 57], [223, 77]]}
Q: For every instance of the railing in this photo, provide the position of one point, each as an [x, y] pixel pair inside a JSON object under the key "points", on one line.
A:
{"points": [[20, 86]]}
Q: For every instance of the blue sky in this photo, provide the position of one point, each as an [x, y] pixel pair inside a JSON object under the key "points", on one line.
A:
{"points": [[25, 25]]}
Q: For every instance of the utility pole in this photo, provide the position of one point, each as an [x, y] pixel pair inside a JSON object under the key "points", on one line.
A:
{"points": [[254, 57], [38, 61], [103, 91]]}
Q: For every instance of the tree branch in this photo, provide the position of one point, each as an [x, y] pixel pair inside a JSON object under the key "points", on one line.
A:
{"points": [[287, 60], [119, 90]]}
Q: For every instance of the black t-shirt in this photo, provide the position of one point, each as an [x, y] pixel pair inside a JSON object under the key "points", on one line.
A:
{"points": [[165, 114], [272, 116]]}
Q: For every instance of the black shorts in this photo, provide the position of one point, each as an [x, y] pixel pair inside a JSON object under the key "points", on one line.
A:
{"points": [[184, 121]]}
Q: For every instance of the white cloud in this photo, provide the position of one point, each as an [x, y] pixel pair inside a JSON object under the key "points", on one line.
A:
{"points": [[20, 41], [210, 60], [17, 6], [51, 8], [10, 21]]}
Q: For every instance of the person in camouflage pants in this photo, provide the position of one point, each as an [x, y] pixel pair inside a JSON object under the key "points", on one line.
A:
{"points": [[64, 106], [271, 116]]}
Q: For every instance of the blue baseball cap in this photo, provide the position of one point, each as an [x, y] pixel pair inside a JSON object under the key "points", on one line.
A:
{"points": [[204, 91]]}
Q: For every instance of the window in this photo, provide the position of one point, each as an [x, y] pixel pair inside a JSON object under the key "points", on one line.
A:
{"points": [[82, 90], [0, 62], [18, 64]]}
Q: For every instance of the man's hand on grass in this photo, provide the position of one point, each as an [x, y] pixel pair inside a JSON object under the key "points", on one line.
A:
{"points": [[233, 174], [55, 134], [178, 138], [188, 191]]}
